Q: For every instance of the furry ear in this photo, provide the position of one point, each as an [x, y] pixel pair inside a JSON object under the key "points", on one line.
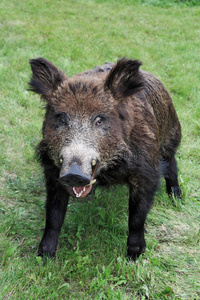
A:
{"points": [[45, 77], [124, 79]]}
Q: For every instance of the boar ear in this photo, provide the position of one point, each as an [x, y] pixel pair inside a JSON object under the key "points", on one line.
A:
{"points": [[45, 77], [124, 79]]}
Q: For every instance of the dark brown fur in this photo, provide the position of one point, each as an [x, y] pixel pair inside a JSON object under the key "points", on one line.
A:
{"points": [[119, 116]]}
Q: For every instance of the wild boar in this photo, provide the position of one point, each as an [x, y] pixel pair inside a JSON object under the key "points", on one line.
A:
{"points": [[115, 124]]}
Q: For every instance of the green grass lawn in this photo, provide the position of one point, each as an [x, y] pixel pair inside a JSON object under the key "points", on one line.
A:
{"points": [[91, 257]]}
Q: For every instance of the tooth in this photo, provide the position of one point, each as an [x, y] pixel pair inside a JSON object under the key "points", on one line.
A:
{"points": [[93, 162], [78, 194]]}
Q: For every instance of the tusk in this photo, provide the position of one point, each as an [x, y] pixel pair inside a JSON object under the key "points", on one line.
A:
{"points": [[93, 162], [92, 182]]}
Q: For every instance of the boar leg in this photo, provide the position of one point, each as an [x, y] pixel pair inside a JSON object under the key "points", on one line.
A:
{"points": [[171, 178], [139, 205], [56, 205]]}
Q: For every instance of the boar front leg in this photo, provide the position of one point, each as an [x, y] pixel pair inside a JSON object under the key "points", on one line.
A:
{"points": [[56, 205], [140, 201]]}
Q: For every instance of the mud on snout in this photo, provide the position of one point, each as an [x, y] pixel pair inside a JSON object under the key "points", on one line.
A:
{"points": [[78, 168]]}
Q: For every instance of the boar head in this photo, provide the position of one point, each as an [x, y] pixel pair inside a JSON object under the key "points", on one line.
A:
{"points": [[83, 131]]}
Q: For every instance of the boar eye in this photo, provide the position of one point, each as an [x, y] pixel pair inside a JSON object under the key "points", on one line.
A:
{"points": [[99, 121], [62, 119]]}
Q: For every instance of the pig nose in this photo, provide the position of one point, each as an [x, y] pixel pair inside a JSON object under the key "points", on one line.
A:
{"points": [[74, 177]]}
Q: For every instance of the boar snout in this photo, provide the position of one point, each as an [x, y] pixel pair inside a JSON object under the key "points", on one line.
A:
{"points": [[74, 177], [77, 183]]}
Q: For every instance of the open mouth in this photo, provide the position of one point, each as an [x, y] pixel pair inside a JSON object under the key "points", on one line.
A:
{"points": [[83, 191]]}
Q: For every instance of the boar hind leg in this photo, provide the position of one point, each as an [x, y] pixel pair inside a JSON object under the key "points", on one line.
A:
{"points": [[140, 202], [56, 205], [171, 178]]}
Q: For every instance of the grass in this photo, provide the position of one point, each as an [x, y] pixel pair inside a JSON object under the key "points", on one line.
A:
{"points": [[91, 262]]}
